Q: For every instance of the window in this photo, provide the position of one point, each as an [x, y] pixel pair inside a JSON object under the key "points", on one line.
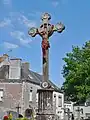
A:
{"points": [[14, 73], [59, 101], [54, 98], [37, 98], [54, 95], [1, 95], [30, 96]]}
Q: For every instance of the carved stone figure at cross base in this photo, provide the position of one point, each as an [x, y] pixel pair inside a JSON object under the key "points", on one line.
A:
{"points": [[45, 31]]}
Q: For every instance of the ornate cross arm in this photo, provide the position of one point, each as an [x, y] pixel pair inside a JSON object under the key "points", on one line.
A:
{"points": [[33, 31], [59, 27]]}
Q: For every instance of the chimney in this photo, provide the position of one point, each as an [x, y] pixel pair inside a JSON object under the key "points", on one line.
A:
{"points": [[25, 65], [15, 68], [2, 58]]}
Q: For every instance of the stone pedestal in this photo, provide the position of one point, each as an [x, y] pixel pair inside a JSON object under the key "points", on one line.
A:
{"points": [[45, 104]]}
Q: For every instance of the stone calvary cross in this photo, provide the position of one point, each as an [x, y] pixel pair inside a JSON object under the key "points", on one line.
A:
{"points": [[45, 31]]}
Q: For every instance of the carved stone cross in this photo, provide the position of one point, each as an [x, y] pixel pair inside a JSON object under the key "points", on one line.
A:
{"points": [[45, 31]]}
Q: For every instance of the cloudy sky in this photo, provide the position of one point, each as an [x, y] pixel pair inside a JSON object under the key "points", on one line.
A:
{"points": [[17, 16]]}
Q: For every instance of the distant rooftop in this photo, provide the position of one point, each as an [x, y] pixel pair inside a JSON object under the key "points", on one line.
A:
{"points": [[26, 75]]}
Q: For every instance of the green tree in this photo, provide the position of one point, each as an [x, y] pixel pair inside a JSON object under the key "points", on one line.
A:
{"points": [[76, 72]]}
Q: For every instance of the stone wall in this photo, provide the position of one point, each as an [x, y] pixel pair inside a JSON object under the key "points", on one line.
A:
{"points": [[11, 96], [26, 87]]}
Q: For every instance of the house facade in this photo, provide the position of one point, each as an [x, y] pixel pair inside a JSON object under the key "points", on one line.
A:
{"points": [[69, 105], [82, 111], [18, 88]]}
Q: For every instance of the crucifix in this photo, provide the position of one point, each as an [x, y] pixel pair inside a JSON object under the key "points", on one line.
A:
{"points": [[79, 110], [68, 113], [45, 31]]}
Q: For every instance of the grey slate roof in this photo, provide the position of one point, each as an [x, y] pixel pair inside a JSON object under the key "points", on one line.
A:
{"points": [[26, 75]]}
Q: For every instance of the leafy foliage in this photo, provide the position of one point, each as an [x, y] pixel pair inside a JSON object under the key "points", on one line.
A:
{"points": [[76, 72], [22, 118]]}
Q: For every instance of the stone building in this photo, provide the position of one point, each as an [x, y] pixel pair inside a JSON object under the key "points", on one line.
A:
{"points": [[69, 105], [18, 88], [82, 111]]}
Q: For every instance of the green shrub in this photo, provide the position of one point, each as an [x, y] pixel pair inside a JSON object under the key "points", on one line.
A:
{"points": [[24, 118]]}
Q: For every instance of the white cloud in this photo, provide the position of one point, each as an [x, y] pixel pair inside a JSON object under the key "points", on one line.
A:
{"points": [[55, 3], [10, 45], [28, 23], [22, 20], [17, 34], [19, 20], [7, 2], [23, 39], [5, 22]]}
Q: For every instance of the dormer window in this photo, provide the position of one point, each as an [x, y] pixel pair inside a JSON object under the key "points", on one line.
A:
{"points": [[15, 68]]}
